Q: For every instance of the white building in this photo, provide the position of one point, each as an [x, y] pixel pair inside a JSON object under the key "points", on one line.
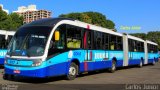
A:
{"points": [[7, 11]]}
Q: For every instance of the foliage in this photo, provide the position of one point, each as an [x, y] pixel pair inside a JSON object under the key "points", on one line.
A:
{"points": [[92, 18], [17, 20], [11, 21]]}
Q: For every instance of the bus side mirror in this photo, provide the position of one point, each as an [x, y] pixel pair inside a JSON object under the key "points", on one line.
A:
{"points": [[57, 36]]}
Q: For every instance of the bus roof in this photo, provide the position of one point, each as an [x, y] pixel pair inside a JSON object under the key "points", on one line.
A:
{"points": [[98, 28], [2, 32], [135, 38], [51, 22], [151, 42], [46, 22]]}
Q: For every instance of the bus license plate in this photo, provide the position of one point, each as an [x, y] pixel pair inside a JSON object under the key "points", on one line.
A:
{"points": [[17, 71]]}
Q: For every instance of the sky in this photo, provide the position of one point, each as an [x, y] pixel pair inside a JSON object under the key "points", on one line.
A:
{"points": [[129, 16]]}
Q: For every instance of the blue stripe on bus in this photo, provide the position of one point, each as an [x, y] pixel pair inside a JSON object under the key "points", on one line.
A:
{"points": [[2, 55], [58, 69], [61, 58], [1, 61], [61, 68], [54, 70], [134, 61], [150, 60], [59, 64]]}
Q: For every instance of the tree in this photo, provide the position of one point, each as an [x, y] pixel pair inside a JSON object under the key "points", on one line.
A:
{"points": [[3, 18], [17, 20], [11, 21], [110, 24], [92, 18]]}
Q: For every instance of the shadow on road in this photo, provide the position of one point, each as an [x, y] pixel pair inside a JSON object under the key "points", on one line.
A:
{"points": [[35, 80]]}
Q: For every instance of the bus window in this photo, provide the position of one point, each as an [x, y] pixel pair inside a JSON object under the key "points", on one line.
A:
{"points": [[142, 47], [8, 39], [60, 44], [130, 45], [2, 42], [98, 40], [134, 46], [73, 37], [155, 49], [138, 46], [106, 41], [115, 42], [90, 40], [150, 48], [112, 42], [119, 43]]}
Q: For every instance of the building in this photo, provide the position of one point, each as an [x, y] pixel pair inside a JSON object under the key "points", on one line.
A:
{"points": [[30, 13], [7, 11]]}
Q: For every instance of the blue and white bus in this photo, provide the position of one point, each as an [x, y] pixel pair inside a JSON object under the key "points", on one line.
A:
{"points": [[60, 46], [5, 37]]}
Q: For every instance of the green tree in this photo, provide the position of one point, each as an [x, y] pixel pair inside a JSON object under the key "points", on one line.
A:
{"points": [[3, 18], [17, 20], [11, 21], [92, 18], [110, 24]]}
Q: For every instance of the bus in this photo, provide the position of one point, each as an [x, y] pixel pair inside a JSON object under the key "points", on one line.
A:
{"points": [[62, 46], [5, 37]]}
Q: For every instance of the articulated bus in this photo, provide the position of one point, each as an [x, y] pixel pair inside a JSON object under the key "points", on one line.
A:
{"points": [[61, 46], [5, 37]]}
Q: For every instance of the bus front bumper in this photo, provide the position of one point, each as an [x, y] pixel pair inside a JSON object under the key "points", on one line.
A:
{"points": [[38, 73]]}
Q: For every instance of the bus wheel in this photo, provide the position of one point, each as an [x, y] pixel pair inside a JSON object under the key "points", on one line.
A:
{"points": [[141, 64], [73, 70], [113, 68], [5, 76]]}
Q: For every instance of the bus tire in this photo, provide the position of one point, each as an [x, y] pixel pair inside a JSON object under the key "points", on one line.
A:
{"points": [[5, 76], [140, 64], [72, 71], [113, 67]]}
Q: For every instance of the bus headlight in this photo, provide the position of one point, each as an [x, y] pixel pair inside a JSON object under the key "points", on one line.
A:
{"points": [[37, 62]]}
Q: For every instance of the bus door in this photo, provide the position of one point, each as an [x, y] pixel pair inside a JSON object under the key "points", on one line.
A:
{"points": [[3, 49], [88, 45], [131, 52]]}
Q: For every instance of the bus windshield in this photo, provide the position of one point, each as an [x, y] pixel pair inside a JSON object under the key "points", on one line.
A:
{"points": [[29, 41]]}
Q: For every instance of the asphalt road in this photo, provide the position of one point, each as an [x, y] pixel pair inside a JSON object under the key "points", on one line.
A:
{"points": [[148, 74]]}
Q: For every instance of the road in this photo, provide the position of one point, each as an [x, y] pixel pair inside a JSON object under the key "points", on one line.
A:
{"points": [[148, 74]]}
